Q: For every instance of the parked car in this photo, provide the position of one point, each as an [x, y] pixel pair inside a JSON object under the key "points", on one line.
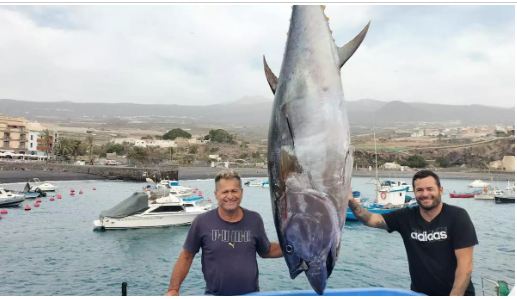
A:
{"points": [[111, 162]]}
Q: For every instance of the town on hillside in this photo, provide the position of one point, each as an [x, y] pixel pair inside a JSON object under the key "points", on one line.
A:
{"points": [[484, 147]]}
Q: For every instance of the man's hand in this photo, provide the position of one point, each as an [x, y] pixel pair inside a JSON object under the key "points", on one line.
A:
{"points": [[172, 293], [362, 214]]}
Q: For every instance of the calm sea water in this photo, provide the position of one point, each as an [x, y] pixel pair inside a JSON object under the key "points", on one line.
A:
{"points": [[53, 250]]}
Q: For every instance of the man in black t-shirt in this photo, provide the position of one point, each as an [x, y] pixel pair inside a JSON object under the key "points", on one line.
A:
{"points": [[439, 238], [230, 237]]}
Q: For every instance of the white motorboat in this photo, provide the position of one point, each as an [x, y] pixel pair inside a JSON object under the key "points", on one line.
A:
{"points": [[10, 199], [257, 183], [158, 208], [36, 185], [478, 184]]}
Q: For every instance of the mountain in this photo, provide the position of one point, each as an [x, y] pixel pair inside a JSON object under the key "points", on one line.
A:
{"points": [[254, 112]]}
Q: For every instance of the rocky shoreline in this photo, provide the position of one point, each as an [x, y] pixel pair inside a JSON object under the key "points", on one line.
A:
{"points": [[192, 173]]}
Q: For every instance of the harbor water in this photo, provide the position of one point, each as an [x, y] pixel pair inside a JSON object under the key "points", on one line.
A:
{"points": [[53, 250]]}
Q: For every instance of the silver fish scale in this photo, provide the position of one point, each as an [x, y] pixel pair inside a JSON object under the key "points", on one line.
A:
{"points": [[309, 153]]}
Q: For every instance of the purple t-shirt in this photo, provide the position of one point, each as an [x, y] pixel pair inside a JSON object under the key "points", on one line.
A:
{"points": [[228, 257]]}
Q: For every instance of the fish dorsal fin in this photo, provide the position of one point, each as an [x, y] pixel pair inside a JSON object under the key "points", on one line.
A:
{"points": [[272, 79], [348, 50]]}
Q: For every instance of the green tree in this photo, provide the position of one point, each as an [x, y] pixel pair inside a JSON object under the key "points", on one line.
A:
{"points": [[63, 148], [416, 161], [89, 146], [69, 148], [443, 162], [175, 133], [220, 135], [115, 148], [193, 149], [47, 141], [139, 154]]}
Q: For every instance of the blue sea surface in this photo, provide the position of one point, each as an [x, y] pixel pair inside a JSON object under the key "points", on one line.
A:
{"points": [[53, 250]]}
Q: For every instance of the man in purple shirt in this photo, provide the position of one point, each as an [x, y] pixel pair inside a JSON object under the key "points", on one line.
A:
{"points": [[229, 238]]}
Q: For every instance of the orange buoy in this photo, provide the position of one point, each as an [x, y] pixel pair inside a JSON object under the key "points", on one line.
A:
{"points": [[59, 196], [52, 198], [3, 212], [27, 208], [36, 205]]}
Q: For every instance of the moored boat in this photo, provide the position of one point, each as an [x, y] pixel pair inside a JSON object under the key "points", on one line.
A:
{"points": [[478, 184], [507, 197], [10, 199], [257, 183], [461, 195], [488, 194], [161, 207], [373, 208], [36, 186]]}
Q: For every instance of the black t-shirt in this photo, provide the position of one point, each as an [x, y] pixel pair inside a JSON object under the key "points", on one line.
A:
{"points": [[430, 246], [229, 251]]}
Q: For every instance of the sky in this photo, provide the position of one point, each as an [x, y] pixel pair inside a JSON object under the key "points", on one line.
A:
{"points": [[212, 53]]}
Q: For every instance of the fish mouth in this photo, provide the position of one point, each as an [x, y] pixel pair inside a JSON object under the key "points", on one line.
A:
{"points": [[317, 275], [316, 272]]}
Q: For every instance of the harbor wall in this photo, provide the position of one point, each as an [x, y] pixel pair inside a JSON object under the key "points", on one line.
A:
{"points": [[20, 171], [97, 171]]}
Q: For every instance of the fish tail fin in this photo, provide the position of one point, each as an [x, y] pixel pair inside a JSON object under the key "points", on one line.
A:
{"points": [[271, 78], [346, 51]]}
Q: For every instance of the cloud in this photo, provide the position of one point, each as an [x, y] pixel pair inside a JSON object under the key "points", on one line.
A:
{"points": [[207, 54]]}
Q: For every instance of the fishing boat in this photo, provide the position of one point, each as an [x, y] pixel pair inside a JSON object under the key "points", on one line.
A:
{"points": [[489, 193], [10, 199], [508, 196], [454, 194], [390, 193]]}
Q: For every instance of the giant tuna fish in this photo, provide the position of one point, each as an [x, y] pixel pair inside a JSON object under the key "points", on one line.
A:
{"points": [[309, 154]]}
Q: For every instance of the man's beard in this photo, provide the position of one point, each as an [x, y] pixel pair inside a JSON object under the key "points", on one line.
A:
{"points": [[436, 202]]}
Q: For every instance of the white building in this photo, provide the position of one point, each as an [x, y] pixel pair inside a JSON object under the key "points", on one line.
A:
{"points": [[146, 142], [391, 165], [35, 133]]}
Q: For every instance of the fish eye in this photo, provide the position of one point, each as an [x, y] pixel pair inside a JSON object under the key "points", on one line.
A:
{"points": [[289, 249]]}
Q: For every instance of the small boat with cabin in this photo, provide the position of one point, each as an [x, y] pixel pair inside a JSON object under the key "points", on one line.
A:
{"points": [[36, 185], [166, 205]]}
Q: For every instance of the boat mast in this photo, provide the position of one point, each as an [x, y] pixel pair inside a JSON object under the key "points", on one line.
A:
{"points": [[375, 147]]}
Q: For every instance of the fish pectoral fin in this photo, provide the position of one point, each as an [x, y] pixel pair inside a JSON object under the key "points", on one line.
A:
{"points": [[272, 79], [288, 163], [346, 51]]}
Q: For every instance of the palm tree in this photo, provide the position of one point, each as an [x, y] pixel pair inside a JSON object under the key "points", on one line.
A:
{"points": [[47, 141], [89, 145]]}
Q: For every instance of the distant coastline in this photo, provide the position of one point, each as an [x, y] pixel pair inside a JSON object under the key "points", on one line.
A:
{"points": [[193, 173]]}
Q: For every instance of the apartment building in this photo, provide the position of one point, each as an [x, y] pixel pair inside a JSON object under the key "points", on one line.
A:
{"points": [[13, 134]]}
